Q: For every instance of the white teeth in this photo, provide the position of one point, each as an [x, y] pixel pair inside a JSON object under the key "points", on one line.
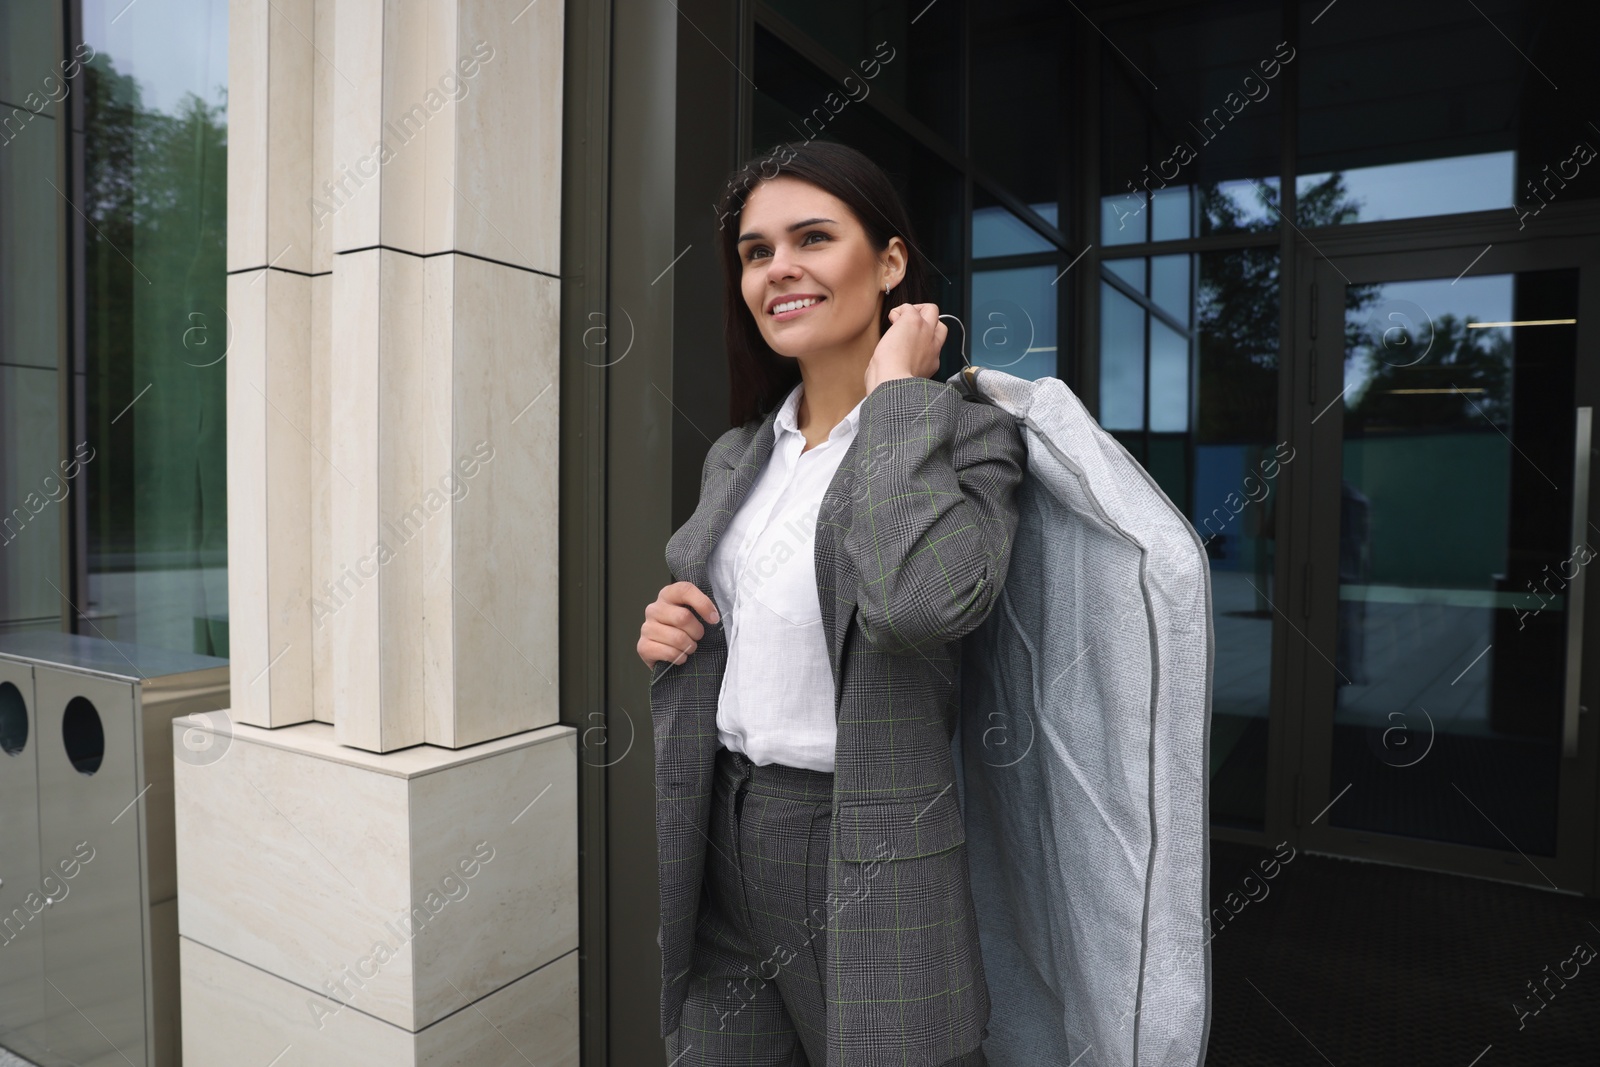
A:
{"points": [[805, 302]]}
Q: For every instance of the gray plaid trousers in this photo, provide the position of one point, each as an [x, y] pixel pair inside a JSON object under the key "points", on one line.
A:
{"points": [[756, 995]]}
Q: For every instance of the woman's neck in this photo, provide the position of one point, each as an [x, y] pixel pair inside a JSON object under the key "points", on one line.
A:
{"points": [[832, 387]]}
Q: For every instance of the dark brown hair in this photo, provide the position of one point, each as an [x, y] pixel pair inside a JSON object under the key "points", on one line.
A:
{"points": [[759, 378]]}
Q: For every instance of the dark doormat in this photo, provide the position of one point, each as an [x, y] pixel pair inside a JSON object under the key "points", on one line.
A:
{"points": [[1341, 962]]}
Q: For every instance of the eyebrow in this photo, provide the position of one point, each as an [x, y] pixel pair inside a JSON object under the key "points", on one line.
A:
{"points": [[743, 237]]}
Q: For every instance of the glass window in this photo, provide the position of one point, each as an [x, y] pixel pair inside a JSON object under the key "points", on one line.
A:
{"points": [[1237, 321], [997, 232], [1172, 213], [1014, 321], [155, 176], [1238, 456], [1407, 190], [1169, 377], [1169, 286], [1191, 122], [1247, 206], [1198, 351], [1122, 361], [1124, 219], [1021, 96], [904, 49], [1454, 552], [1130, 270], [1153, 322], [1494, 113]]}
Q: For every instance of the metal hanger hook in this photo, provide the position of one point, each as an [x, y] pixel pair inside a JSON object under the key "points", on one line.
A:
{"points": [[965, 361]]}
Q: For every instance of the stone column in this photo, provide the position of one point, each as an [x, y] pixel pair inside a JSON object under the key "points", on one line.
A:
{"points": [[377, 856], [393, 248], [271, 429], [444, 203]]}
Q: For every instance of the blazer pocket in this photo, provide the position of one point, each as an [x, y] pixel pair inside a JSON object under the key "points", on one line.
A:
{"points": [[899, 829]]}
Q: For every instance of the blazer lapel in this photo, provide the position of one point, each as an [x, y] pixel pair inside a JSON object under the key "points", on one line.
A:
{"points": [[836, 589], [689, 551], [718, 504]]}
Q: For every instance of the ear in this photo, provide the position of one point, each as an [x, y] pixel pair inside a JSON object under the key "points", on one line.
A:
{"points": [[893, 261]]}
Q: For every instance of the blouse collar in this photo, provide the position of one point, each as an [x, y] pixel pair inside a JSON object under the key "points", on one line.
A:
{"points": [[785, 420]]}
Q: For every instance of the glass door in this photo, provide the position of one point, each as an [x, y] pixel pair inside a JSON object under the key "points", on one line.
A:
{"points": [[1450, 538]]}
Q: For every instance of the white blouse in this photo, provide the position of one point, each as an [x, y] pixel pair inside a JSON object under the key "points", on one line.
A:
{"points": [[776, 701]]}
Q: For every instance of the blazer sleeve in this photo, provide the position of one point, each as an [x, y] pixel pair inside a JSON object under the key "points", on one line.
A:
{"points": [[934, 512]]}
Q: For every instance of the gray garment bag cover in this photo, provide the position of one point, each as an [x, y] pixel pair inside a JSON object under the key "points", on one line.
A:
{"points": [[1086, 711]]}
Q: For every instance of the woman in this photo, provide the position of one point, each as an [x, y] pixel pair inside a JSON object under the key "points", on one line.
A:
{"points": [[816, 906]]}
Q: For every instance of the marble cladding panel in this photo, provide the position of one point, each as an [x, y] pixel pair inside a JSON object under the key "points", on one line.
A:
{"points": [[401, 895], [291, 456], [269, 480], [534, 1019], [353, 182], [234, 1013], [248, 66], [495, 862], [491, 434], [319, 414], [324, 81], [271, 100], [379, 504], [384, 119], [297, 865], [503, 200], [291, 95], [247, 500]]}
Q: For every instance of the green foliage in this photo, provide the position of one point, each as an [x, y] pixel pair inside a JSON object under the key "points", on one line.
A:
{"points": [[155, 187]]}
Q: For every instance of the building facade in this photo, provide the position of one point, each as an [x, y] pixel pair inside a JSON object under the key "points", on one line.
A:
{"points": [[375, 346]]}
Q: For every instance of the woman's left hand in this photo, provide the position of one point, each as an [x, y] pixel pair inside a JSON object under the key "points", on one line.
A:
{"points": [[909, 348]]}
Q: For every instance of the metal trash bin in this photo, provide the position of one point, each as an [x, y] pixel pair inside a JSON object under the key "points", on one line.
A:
{"points": [[21, 947], [103, 849]]}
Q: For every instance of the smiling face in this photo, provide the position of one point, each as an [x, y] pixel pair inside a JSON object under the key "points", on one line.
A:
{"points": [[808, 272]]}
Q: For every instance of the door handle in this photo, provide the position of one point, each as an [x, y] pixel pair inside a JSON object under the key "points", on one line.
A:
{"points": [[1582, 436]]}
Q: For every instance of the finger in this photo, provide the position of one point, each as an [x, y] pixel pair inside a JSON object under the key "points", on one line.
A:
{"points": [[929, 312], [676, 616], [674, 643], [940, 332], [690, 595], [670, 641], [706, 607], [654, 652]]}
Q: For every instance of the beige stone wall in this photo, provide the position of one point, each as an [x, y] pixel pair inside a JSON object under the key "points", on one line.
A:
{"points": [[393, 249]]}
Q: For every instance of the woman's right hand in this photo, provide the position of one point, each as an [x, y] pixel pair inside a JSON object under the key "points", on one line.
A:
{"points": [[671, 631]]}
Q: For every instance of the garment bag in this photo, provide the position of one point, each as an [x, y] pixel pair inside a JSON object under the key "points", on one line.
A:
{"points": [[1084, 741]]}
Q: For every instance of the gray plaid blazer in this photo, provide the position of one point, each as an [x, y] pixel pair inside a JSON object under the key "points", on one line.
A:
{"points": [[913, 542]]}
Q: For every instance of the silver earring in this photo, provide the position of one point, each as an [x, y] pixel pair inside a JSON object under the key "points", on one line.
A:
{"points": [[885, 288]]}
